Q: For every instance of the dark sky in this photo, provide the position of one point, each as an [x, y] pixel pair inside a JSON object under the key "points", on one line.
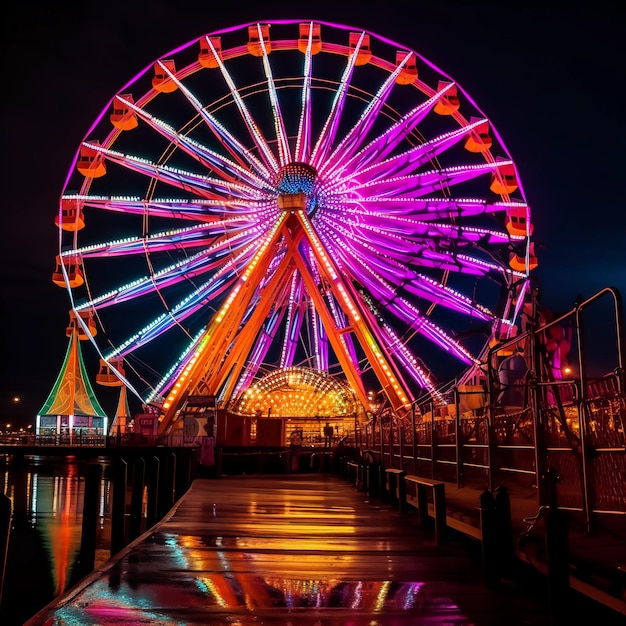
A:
{"points": [[550, 78]]}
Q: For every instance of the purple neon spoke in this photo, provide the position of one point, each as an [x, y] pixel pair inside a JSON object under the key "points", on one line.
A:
{"points": [[380, 147], [293, 322], [281, 134], [234, 146], [216, 163], [269, 159], [408, 161]]}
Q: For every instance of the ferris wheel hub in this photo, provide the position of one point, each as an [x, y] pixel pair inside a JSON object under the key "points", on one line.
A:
{"points": [[298, 178]]}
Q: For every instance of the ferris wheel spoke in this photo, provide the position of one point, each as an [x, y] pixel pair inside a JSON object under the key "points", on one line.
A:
{"points": [[178, 272], [179, 239], [431, 331], [234, 147], [225, 168], [380, 147], [386, 280], [177, 314], [411, 160], [227, 211], [420, 374], [199, 185], [293, 321], [270, 163], [284, 153]]}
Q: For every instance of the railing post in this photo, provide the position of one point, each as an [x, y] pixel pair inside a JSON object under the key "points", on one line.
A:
{"points": [[5, 529], [136, 502], [118, 508], [489, 532], [91, 502], [154, 478], [504, 526], [557, 550]]}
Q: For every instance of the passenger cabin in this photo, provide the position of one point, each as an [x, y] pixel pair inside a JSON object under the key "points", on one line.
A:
{"points": [[73, 267], [71, 216], [518, 261], [90, 161], [208, 58], [162, 81], [106, 376], [449, 102], [254, 39], [503, 179], [503, 331], [364, 54], [408, 73], [123, 117], [316, 40], [479, 139], [74, 325], [517, 223]]}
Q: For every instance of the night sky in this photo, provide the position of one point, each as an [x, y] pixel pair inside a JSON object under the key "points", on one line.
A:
{"points": [[550, 78]]}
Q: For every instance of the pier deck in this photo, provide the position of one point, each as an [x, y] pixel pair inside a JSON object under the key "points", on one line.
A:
{"points": [[300, 549]]}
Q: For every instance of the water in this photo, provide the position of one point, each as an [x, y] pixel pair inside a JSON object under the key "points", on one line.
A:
{"points": [[47, 496]]}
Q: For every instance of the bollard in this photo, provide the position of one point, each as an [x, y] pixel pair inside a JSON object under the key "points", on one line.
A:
{"points": [[136, 500], [504, 528], [489, 546], [154, 475], [118, 507], [167, 485], [373, 478], [5, 529], [557, 552], [91, 503]]}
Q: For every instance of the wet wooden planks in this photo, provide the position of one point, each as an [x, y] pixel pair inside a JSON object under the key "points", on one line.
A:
{"points": [[298, 549]]}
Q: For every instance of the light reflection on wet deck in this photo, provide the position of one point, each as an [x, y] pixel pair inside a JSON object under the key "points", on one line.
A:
{"points": [[290, 550]]}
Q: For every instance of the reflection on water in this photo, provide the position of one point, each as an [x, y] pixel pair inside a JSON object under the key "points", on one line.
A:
{"points": [[47, 497]]}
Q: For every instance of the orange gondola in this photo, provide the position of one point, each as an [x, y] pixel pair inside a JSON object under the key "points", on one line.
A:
{"points": [[90, 161], [123, 117], [303, 40], [364, 54], [503, 179], [74, 326], [71, 218], [518, 261], [162, 81], [254, 39], [517, 223], [479, 139], [408, 73], [106, 376], [73, 268], [207, 57], [449, 103]]}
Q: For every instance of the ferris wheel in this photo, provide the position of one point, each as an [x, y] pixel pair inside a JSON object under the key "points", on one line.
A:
{"points": [[290, 193]]}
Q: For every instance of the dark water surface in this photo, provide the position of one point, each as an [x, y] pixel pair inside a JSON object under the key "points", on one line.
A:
{"points": [[47, 496]]}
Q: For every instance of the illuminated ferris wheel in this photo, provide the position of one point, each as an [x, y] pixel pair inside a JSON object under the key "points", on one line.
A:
{"points": [[292, 193]]}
